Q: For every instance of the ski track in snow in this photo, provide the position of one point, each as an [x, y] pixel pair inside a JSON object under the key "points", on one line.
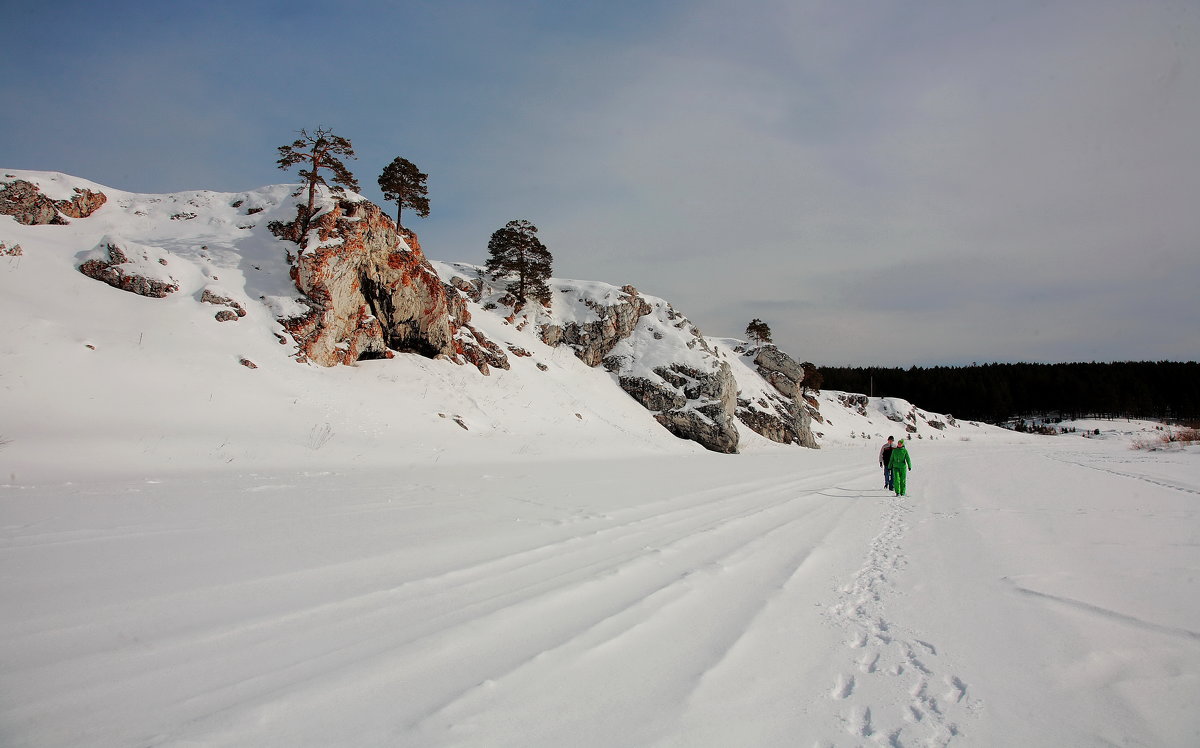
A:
{"points": [[895, 688], [599, 583], [1111, 615], [1089, 464], [504, 608], [746, 570]]}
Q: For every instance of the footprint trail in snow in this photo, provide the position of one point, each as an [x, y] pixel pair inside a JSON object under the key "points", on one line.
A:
{"points": [[895, 689]]}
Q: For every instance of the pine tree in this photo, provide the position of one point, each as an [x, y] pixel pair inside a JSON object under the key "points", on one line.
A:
{"points": [[404, 184], [515, 252], [758, 332], [813, 379], [319, 150]]}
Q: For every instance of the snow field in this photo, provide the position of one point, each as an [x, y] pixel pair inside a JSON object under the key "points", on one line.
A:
{"points": [[406, 552], [1020, 593]]}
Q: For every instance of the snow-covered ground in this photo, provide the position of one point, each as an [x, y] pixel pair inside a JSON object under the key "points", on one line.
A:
{"points": [[406, 552], [1036, 594]]}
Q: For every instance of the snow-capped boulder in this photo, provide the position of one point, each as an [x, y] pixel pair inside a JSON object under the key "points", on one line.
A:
{"points": [[129, 266], [858, 403], [690, 403], [235, 311], [903, 412], [594, 339], [82, 204], [657, 355], [654, 353], [25, 202], [780, 369]]}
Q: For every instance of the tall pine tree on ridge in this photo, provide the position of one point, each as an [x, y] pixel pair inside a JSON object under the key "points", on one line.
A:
{"points": [[404, 184], [319, 150], [515, 252]]}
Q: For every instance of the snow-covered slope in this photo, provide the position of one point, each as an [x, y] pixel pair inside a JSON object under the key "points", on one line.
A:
{"points": [[695, 385], [95, 379], [847, 418]]}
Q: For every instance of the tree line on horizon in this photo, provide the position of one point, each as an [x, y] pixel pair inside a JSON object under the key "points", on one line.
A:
{"points": [[514, 252], [994, 393]]}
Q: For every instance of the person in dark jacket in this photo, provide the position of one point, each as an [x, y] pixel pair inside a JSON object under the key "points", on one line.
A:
{"points": [[901, 464], [885, 455]]}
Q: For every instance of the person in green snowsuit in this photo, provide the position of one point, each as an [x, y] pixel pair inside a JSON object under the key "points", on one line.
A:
{"points": [[901, 464]]}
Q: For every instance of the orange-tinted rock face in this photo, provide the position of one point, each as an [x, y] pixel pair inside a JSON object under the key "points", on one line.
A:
{"points": [[372, 291], [25, 202], [83, 204]]}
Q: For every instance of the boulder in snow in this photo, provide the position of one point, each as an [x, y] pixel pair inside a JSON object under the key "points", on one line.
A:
{"points": [[130, 267], [25, 202]]}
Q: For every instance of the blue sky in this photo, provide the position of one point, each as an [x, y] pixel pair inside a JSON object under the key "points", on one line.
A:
{"points": [[888, 182]]}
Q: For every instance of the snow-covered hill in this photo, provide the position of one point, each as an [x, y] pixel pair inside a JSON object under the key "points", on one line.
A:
{"points": [[95, 379]]}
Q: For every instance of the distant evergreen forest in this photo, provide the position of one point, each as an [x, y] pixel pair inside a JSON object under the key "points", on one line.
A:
{"points": [[995, 393]]}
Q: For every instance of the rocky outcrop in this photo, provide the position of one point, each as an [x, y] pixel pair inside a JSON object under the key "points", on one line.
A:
{"points": [[473, 290], [594, 340], [661, 360], [232, 314], [812, 406], [780, 369], [778, 419], [856, 403], [900, 411], [656, 355], [371, 291], [25, 202], [112, 264], [692, 404], [82, 204], [681, 380], [472, 345], [781, 416]]}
